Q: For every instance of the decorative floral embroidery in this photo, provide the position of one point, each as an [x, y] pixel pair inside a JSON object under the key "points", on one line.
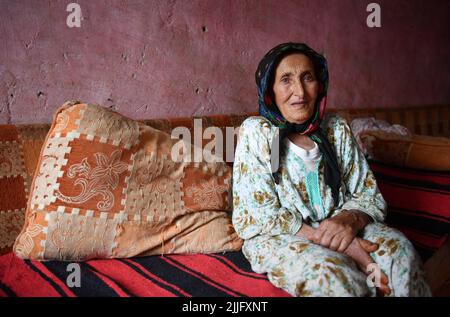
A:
{"points": [[26, 243], [78, 239], [59, 235], [61, 122], [48, 163], [145, 175], [151, 175], [99, 180], [208, 195]]}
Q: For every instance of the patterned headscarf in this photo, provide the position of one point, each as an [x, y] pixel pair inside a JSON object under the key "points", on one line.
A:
{"points": [[268, 109]]}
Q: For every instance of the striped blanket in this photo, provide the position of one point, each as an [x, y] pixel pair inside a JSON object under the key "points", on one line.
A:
{"points": [[199, 275], [418, 204]]}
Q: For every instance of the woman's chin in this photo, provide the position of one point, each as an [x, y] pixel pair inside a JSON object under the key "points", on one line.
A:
{"points": [[299, 118]]}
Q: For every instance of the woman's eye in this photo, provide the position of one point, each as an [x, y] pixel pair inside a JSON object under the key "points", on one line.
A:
{"points": [[285, 80], [308, 77]]}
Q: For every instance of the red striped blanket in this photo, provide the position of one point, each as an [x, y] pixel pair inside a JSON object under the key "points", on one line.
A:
{"points": [[418, 204], [212, 275]]}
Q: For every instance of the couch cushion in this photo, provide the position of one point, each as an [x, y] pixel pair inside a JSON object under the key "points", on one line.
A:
{"points": [[425, 120], [107, 186], [416, 151]]}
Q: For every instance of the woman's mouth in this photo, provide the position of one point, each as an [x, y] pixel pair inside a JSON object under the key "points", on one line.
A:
{"points": [[299, 104]]}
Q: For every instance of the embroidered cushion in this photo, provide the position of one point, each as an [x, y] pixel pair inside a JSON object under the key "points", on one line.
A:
{"points": [[107, 186]]}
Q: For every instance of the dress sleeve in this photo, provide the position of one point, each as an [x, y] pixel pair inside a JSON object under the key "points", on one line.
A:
{"points": [[362, 192], [256, 206]]}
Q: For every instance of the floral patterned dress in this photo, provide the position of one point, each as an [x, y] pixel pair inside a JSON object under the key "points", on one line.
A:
{"points": [[268, 215]]}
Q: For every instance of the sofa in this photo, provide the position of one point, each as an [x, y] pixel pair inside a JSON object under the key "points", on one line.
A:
{"points": [[418, 202]]}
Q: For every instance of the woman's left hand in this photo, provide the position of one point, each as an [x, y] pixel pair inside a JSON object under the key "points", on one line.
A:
{"points": [[338, 232]]}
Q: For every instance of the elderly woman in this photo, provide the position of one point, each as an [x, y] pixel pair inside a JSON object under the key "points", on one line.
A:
{"points": [[305, 201]]}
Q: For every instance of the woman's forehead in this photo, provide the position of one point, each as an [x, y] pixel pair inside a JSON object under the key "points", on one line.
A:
{"points": [[295, 63]]}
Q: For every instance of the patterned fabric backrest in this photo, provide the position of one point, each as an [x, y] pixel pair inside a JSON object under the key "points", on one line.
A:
{"points": [[429, 120], [426, 120], [20, 147]]}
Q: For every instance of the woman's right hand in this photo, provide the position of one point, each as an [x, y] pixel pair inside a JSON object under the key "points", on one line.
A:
{"points": [[359, 251]]}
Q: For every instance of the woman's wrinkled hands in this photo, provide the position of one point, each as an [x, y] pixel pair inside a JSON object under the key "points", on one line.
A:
{"points": [[359, 250], [338, 232]]}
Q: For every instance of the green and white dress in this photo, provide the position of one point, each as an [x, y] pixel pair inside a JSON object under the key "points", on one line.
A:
{"points": [[268, 215]]}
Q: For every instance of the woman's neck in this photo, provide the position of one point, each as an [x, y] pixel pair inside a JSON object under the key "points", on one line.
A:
{"points": [[302, 141]]}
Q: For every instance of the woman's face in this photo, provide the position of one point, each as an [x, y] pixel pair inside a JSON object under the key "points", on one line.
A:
{"points": [[295, 88]]}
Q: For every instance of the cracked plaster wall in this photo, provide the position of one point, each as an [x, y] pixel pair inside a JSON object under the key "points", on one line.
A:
{"points": [[154, 59]]}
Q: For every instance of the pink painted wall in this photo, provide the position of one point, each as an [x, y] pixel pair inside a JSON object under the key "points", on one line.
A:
{"points": [[152, 59]]}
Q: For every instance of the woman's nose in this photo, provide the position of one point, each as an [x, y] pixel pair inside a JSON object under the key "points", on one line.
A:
{"points": [[298, 89]]}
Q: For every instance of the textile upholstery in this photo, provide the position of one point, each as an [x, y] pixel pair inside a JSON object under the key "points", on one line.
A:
{"points": [[106, 186], [433, 120], [416, 151], [187, 275]]}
